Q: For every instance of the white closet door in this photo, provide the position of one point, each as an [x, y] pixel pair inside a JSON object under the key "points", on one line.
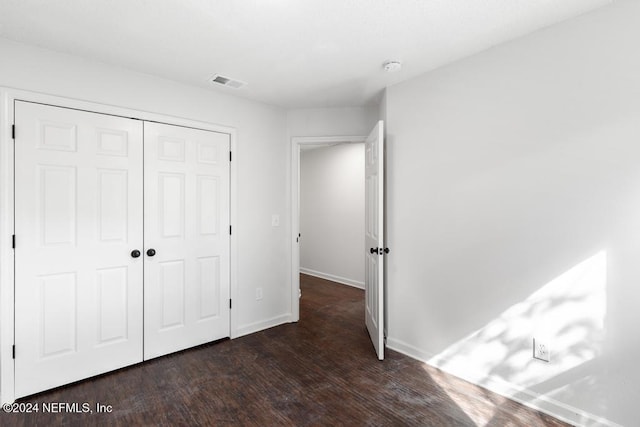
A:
{"points": [[186, 238], [78, 217]]}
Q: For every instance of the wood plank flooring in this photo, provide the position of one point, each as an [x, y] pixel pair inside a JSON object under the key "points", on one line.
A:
{"points": [[320, 371]]}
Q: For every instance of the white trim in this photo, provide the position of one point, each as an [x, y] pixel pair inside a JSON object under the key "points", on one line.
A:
{"points": [[262, 325], [233, 239], [338, 279], [296, 142], [530, 398], [7, 98], [6, 252], [295, 231]]}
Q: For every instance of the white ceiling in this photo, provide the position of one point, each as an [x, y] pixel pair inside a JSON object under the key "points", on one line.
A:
{"points": [[292, 53]]}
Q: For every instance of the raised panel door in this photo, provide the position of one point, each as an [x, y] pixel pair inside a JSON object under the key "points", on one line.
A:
{"points": [[78, 216], [374, 234], [187, 227]]}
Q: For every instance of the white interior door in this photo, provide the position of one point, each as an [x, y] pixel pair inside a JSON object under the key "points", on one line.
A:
{"points": [[187, 231], [374, 234], [78, 217]]}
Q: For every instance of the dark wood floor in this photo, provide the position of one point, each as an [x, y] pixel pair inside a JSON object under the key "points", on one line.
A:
{"points": [[320, 371]]}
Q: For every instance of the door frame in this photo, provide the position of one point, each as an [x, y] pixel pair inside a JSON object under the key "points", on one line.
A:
{"points": [[296, 143], [7, 218]]}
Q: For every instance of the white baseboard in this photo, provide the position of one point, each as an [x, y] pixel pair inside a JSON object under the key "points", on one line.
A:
{"points": [[333, 278], [262, 325], [534, 400]]}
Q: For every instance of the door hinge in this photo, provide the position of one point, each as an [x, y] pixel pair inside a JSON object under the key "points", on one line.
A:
{"points": [[229, 230], [13, 241], [13, 131], [13, 351], [229, 303], [230, 156]]}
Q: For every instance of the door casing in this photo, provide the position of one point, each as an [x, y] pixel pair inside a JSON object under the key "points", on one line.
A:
{"points": [[7, 220]]}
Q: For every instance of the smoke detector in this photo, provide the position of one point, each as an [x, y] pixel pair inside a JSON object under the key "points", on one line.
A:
{"points": [[218, 79], [392, 66]]}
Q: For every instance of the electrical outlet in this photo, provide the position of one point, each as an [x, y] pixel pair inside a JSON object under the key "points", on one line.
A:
{"points": [[258, 294], [541, 350]]}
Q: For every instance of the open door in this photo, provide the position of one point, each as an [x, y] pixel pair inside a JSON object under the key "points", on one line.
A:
{"points": [[374, 233]]}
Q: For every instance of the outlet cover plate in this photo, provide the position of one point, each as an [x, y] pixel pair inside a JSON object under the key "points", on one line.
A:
{"points": [[541, 350]]}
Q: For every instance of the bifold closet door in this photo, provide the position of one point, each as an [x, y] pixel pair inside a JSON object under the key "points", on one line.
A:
{"points": [[186, 228], [78, 217]]}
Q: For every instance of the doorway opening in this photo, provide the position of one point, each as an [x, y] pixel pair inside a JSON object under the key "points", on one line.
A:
{"points": [[332, 212], [327, 214], [374, 248]]}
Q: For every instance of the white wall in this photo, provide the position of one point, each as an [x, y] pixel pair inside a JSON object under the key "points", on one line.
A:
{"points": [[332, 213], [261, 158], [514, 211], [343, 121]]}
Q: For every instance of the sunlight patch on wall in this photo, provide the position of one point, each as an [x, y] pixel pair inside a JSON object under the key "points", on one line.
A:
{"points": [[568, 313]]}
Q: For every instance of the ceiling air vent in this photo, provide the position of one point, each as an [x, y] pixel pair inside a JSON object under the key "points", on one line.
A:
{"points": [[226, 81]]}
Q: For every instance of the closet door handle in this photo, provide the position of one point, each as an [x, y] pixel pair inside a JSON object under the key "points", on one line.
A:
{"points": [[373, 250], [135, 253], [151, 252]]}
